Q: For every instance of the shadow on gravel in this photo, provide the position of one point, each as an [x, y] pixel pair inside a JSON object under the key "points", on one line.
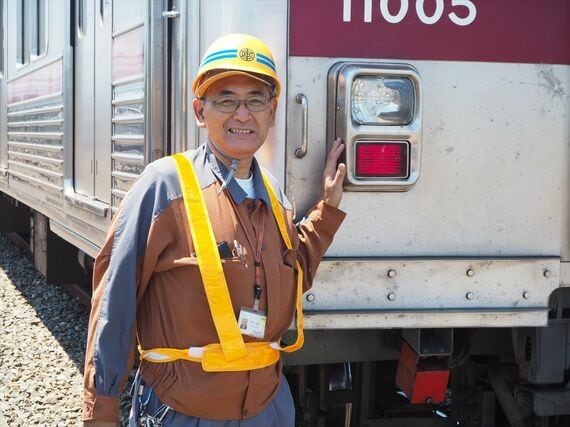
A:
{"points": [[63, 315]]}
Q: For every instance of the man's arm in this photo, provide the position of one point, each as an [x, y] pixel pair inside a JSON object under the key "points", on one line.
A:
{"points": [[117, 280]]}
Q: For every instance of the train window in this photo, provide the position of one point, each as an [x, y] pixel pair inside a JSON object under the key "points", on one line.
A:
{"points": [[83, 17], [32, 27], [38, 28], [20, 54], [31, 30]]}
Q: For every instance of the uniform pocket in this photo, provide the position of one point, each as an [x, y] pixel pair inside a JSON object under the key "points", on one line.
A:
{"points": [[290, 258]]}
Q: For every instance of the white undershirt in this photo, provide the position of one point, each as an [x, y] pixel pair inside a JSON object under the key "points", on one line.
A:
{"points": [[247, 186]]}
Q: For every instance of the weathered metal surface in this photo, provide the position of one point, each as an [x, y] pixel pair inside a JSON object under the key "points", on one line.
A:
{"points": [[373, 319], [494, 164], [431, 293], [434, 284]]}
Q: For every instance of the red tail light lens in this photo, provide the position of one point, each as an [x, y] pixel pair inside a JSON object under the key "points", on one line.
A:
{"points": [[381, 159]]}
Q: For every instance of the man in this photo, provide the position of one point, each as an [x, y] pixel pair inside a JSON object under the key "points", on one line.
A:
{"points": [[204, 267]]}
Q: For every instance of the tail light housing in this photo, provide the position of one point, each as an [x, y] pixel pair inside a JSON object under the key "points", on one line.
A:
{"points": [[376, 109]]}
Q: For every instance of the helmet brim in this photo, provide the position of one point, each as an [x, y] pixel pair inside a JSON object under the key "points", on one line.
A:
{"points": [[208, 81]]}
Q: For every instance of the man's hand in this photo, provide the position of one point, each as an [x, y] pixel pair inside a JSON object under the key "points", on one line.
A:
{"points": [[333, 176]]}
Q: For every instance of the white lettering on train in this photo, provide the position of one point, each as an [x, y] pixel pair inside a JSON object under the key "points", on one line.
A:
{"points": [[393, 19], [457, 16]]}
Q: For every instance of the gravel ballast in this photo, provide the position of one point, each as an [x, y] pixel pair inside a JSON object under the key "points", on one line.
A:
{"points": [[42, 346]]}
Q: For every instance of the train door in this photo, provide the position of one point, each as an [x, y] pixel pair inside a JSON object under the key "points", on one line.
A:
{"points": [[92, 94]]}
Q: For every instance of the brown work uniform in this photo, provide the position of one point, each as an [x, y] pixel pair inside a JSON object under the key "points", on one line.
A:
{"points": [[147, 283]]}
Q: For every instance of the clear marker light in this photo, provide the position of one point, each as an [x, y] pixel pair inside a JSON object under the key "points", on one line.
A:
{"points": [[382, 101]]}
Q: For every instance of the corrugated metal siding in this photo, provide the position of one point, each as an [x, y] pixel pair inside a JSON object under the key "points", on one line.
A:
{"points": [[128, 134], [35, 143]]}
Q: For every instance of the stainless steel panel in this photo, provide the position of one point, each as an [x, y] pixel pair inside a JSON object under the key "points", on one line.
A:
{"points": [[185, 46], [84, 97], [414, 284], [34, 147], [128, 149], [102, 118], [131, 89], [76, 239], [92, 174], [128, 14], [495, 164], [425, 319], [156, 64]]}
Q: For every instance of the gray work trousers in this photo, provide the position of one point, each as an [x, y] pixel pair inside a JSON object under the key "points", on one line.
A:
{"points": [[279, 413]]}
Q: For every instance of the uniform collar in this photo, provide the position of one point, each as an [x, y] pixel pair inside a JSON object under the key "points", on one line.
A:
{"points": [[209, 170]]}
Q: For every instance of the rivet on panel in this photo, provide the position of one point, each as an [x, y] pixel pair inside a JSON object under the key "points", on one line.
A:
{"points": [[547, 273], [470, 272], [526, 294], [392, 273], [391, 296], [470, 295], [310, 297]]}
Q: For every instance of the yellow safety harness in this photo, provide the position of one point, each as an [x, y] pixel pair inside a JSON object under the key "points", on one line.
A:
{"points": [[231, 354]]}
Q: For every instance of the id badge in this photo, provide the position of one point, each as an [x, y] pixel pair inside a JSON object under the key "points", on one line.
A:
{"points": [[252, 323]]}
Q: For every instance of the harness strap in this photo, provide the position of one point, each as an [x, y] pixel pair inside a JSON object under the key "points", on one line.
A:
{"points": [[275, 207], [209, 261], [259, 355], [231, 354]]}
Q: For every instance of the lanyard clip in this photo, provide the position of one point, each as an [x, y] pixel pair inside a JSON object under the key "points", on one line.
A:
{"points": [[256, 296]]}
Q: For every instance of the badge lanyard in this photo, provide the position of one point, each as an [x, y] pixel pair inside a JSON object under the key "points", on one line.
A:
{"points": [[256, 255]]}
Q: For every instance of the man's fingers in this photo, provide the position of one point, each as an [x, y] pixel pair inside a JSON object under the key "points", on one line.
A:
{"points": [[340, 172], [339, 175], [334, 154]]}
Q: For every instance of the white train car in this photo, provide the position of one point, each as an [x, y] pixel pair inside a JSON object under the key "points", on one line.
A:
{"points": [[444, 298]]}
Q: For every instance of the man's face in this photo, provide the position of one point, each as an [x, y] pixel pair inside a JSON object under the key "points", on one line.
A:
{"points": [[240, 134]]}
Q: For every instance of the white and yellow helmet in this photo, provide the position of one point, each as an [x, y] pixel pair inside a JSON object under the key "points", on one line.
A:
{"points": [[236, 54]]}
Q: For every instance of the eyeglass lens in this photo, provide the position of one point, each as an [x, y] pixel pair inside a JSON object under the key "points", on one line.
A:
{"points": [[231, 104]]}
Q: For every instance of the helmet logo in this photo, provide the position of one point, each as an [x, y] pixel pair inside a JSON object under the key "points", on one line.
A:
{"points": [[247, 54]]}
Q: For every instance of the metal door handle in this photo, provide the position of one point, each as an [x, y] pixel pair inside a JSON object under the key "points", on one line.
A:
{"points": [[171, 14], [301, 151]]}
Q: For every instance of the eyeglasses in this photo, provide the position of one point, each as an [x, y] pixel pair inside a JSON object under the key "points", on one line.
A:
{"points": [[230, 104]]}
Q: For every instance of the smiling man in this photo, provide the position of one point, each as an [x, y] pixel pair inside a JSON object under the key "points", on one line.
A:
{"points": [[204, 268]]}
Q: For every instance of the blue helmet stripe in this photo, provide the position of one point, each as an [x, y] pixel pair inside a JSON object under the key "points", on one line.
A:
{"points": [[267, 58], [217, 58], [266, 63], [220, 54]]}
